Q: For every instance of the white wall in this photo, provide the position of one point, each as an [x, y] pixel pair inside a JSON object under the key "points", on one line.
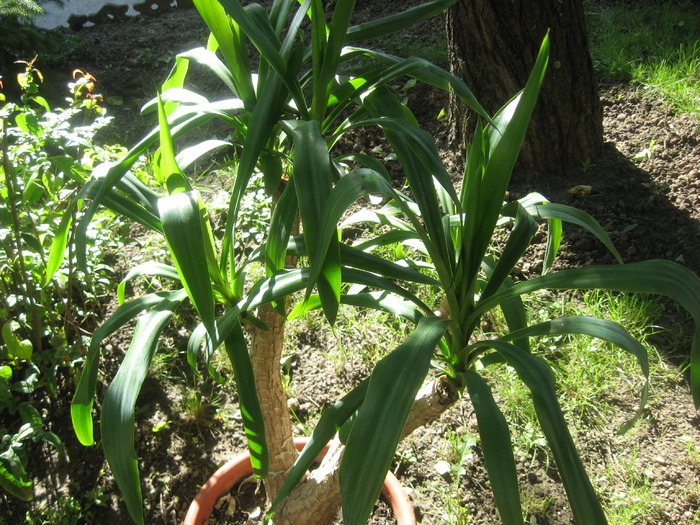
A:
{"points": [[57, 16]]}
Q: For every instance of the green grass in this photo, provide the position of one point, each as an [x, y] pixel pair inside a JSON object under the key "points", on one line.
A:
{"points": [[599, 388], [654, 45]]}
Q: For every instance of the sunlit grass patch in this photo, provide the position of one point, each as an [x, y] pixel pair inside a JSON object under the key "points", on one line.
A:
{"points": [[653, 45]]}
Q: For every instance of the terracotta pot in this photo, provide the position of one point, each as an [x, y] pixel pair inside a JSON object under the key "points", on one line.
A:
{"points": [[239, 467]]}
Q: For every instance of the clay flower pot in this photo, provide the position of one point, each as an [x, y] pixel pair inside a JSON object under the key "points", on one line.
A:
{"points": [[239, 467]]}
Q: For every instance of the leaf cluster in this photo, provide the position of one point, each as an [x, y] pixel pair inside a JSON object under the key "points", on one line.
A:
{"points": [[45, 156], [287, 113]]}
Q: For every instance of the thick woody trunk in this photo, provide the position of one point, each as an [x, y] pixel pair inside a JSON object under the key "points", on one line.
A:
{"points": [[316, 500], [266, 354], [492, 47]]}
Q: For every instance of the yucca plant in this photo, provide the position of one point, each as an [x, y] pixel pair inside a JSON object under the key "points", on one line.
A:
{"points": [[455, 232], [291, 141], [286, 114]]}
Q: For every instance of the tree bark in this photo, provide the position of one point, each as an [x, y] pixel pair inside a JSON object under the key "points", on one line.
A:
{"points": [[316, 500], [266, 354], [493, 45]]}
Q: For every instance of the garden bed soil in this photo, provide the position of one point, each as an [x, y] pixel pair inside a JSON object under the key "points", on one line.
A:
{"points": [[650, 207]]}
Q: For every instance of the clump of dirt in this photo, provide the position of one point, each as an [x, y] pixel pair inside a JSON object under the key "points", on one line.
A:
{"points": [[650, 206]]}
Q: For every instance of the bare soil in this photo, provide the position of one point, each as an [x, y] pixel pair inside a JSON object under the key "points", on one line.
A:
{"points": [[650, 207]]}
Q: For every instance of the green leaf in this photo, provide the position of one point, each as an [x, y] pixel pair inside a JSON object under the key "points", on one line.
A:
{"points": [[232, 43], [332, 419], [18, 348], [251, 413], [175, 80], [325, 71], [120, 204], [376, 432], [257, 27], [312, 180], [537, 376], [498, 449], [59, 243], [81, 407], [13, 477], [351, 275], [502, 146], [574, 216], [169, 170], [149, 268], [519, 240], [653, 277], [117, 423], [183, 228], [282, 224], [362, 260], [602, 329], [348, 189], [397, 22], [189, 155]]}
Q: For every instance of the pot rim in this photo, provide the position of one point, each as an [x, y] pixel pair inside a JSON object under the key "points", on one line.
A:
{"points": [[239, 467]]}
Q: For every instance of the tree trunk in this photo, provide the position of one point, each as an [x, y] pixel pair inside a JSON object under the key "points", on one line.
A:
{"points": [[316, 500], [266, 354], [492, 47]]}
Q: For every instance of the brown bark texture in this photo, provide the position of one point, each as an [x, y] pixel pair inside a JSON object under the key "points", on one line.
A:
{"points": [[492, 47], [316, 500], [266, 354]]}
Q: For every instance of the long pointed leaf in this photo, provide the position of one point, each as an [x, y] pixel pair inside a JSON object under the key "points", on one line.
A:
{"points": [[81, 407], [233, 47], [180, 215], [653, 277], [58, 245], [332, 419], [537, 376], [498, 449], [120, 400], [312, 180], [376, 432], [504, 139], [602, 329], [251, 413]]}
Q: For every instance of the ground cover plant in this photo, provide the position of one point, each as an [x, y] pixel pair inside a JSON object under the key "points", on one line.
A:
{"points": [[438, 223]]}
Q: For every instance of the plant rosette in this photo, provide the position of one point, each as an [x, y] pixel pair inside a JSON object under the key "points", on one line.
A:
{"points": [[238, 468]]}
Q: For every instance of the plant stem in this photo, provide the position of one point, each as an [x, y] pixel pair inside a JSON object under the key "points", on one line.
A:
{"points": [[266, 354]]}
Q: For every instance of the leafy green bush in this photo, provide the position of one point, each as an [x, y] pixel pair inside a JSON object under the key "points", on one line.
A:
{"points": [[46, 156]]}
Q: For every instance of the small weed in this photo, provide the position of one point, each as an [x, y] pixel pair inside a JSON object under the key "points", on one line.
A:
{"points": [[647, 153], [691, 450], [587, 165], [458, 451]]}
